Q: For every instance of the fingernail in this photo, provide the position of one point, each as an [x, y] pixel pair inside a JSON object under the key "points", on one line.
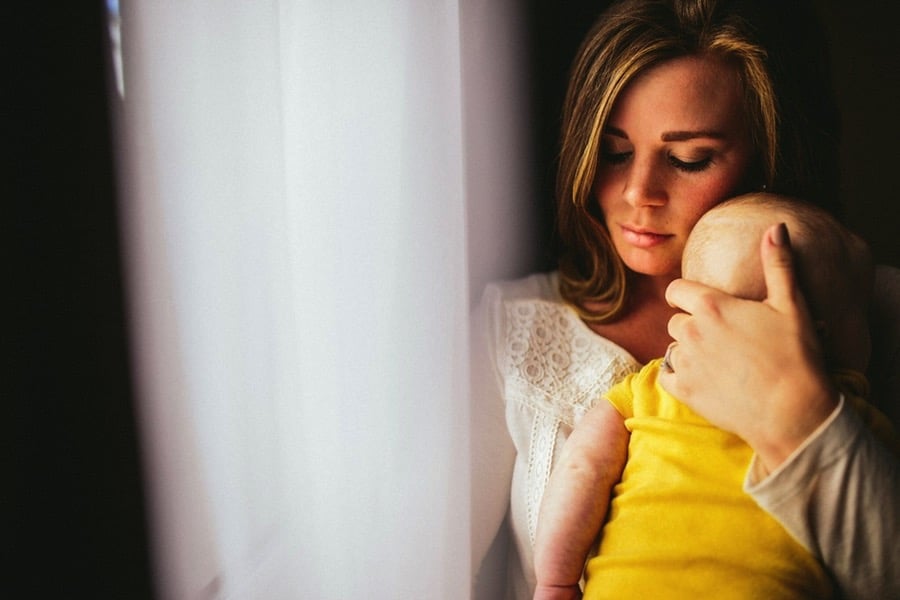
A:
{"points": [[781, 236]]}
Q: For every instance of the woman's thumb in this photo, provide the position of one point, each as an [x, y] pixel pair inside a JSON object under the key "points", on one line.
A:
{"points": [[778, 268]]}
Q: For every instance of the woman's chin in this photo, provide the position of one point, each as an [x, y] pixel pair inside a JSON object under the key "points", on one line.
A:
{"points": [[654, 268]]}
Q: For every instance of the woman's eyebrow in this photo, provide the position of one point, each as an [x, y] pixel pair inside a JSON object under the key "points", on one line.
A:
{"points": [[681, 136], [671, 136], [615, 131]]}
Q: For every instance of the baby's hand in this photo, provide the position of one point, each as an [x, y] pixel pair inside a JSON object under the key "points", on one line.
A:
{"points": [[555, 592]]}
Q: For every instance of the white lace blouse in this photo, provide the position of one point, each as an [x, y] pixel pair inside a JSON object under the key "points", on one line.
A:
{"points": [[548, 368], [537, 368]]}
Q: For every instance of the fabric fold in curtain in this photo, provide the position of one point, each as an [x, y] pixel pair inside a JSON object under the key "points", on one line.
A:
{"points": [[294, 216]]}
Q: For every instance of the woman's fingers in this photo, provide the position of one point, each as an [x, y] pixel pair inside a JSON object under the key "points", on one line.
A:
{"points": [[692, 297], [778, 270], [752, 368]]}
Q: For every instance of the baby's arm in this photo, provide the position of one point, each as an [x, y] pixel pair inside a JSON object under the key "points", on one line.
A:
{"points": [[576, 500]]}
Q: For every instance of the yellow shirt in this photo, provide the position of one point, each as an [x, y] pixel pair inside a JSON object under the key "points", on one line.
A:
{"points": [[680, 524]]}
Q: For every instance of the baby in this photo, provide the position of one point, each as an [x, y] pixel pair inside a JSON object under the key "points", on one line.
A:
{"points": [[679, 524]]}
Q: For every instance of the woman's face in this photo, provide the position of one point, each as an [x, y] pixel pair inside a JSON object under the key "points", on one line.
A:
{"points": [[674, 146]]}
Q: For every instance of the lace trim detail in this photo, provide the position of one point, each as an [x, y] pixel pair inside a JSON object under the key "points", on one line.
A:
{"points": [[555, 363], [543, 436]]}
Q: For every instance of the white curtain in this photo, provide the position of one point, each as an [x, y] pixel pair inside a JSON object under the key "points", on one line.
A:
{"points": [[295, 181]]}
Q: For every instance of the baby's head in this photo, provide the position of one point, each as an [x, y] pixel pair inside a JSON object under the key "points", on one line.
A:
{"points": [[832, 265]]}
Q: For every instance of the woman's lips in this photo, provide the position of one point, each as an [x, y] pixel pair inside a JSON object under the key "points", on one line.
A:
{"points": [[643, 238]]}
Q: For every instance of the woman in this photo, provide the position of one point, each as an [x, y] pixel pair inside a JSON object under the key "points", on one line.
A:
{"points": [[672, 107]]}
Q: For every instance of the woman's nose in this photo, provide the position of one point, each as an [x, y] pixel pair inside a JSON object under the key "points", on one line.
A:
{"points": [[645, 184]]}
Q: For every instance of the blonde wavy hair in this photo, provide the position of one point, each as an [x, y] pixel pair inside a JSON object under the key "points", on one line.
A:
{"points": [[634, 35]]}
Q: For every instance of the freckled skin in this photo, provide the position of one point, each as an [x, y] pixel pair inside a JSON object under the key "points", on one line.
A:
{"points": [[675, 146]]}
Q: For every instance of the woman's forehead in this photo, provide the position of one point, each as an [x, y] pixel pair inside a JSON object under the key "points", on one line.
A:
{"points": [[682, 96]]}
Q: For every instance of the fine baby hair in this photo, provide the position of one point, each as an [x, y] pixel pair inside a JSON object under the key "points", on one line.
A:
{"points": [[833, 265]]}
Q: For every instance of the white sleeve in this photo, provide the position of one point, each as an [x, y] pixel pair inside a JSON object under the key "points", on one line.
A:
{"points": [[493, 453], [839, 496]]}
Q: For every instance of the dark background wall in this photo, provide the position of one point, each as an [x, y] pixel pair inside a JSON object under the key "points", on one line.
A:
{"points": [[865, 56], [866, 71]]}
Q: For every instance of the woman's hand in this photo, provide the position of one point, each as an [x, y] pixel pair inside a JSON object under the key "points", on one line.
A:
{"points": [[752, 368]]}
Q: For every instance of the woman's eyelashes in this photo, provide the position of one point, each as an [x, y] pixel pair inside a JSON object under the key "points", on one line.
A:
{"points": [[618, 157], [690, 166]]}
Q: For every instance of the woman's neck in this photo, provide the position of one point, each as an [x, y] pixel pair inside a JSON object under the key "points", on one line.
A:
{"points": [[649, 289], [641, 329]]}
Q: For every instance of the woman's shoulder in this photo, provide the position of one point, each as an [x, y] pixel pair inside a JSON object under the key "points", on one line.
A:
{"points": [[547, 356], [537, 289]]}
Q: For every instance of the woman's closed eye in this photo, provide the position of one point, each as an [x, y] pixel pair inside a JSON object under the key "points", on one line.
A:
{"points": [[616, 158], [690, 165]]}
